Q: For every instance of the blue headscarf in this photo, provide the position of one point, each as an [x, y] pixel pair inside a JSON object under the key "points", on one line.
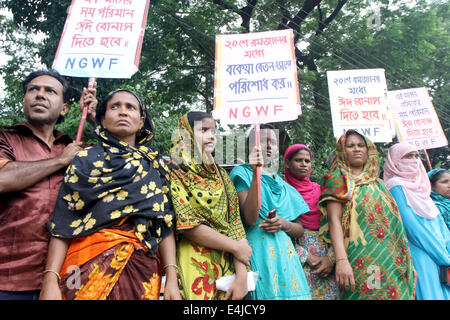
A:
{"points": [[442, 203]]}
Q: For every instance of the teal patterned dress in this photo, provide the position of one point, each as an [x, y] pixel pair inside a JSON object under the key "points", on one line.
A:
{"points": [[281, 276]]}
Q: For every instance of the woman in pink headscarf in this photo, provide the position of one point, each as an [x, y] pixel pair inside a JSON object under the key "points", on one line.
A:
{"points": [[315, 255], [428, 235]]}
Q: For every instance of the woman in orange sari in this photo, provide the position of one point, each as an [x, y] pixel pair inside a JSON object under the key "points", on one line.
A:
{"points": [[112, 230]]}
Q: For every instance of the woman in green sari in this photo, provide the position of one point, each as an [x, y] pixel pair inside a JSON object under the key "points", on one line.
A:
{"points": [[362, 221], [211, 238]]}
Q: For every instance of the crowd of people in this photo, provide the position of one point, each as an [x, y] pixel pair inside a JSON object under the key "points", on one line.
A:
{"points": [[111, 220]]}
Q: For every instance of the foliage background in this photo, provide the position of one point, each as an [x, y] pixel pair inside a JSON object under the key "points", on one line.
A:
{"points": [[409, 39]]}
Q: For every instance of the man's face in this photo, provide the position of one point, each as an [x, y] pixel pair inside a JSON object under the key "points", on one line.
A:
{"points": [[43, 101]]}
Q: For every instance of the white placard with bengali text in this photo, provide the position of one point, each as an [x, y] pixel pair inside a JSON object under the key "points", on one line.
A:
{"points": [[415, 118], [256, 78], [102, 38], [358, 100]]}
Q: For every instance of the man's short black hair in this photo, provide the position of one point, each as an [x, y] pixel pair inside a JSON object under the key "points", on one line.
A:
{"points": [[52, 73]]}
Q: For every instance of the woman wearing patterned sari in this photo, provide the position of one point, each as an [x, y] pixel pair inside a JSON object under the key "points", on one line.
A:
{"points": [[211, 239], [112, 226], [360, 216], [316, 255]]}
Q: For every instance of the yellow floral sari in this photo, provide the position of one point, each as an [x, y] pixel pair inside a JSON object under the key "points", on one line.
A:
{"points": [[201, 193]]}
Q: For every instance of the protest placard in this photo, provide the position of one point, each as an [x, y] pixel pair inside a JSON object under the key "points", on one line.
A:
{"points": [[102, 38], [415, 118], [358, 100], [256, 78]]}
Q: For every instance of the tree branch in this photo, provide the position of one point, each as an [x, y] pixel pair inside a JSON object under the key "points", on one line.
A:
{"points": [[324, 24], [228, 6], [245, 12], [301, 15], [284, 16]]}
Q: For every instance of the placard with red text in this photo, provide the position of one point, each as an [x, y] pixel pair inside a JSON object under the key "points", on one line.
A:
{"points": [[102, 38], [256, 78], [358, 100], [415, 118]]}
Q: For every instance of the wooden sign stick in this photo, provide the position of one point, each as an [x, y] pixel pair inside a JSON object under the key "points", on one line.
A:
{"points": [[428, 159], [258, 168], [84, 114]]}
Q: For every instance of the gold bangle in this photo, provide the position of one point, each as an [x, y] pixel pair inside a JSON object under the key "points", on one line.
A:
{"points": [[54, 272], [337, 260], [170, 265], [331, 260]]}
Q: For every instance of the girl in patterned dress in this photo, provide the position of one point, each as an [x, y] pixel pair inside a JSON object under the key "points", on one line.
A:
{"points": [[211, 239]]}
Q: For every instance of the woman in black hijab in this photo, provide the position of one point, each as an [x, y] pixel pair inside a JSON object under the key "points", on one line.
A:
{"points": [[112, 230]]}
